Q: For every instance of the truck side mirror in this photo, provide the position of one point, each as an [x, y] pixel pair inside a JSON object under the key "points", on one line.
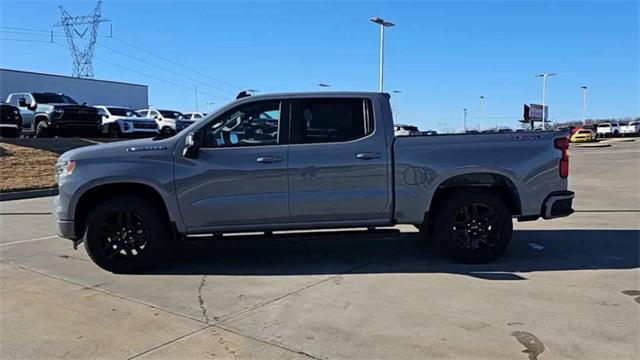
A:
{"points": [[192, 144]]}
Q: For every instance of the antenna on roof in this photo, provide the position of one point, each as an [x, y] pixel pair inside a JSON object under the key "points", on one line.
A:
{"points": [[243, 94]]}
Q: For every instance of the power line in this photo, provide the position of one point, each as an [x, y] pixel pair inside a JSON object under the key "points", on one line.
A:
{"points": [[24, 40], [162, 68], [175, 63], [148, 76], [56, 34]]}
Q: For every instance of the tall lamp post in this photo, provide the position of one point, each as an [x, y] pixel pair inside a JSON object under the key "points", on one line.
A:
{"points": [[209, 103], [383, 24], [396, 103], [481, 111], [584, 105], [322, 86], [544, 77], [464, 122]]}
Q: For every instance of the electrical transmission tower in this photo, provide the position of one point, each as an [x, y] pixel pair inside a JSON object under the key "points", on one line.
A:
{"points": [[78, 28]]}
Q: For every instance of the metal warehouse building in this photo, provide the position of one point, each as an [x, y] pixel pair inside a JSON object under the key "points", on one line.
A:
{"points": [[91, 91]]}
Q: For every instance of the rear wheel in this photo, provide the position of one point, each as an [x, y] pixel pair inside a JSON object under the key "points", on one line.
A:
{"points": [[126, 234], [473, 226]]}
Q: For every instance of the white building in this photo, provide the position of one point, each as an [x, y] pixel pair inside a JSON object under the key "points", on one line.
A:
{"points": [[91, 91]]}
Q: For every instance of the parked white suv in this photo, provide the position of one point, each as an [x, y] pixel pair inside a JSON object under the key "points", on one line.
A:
{"points": [[194, 115], [630, 129], [405, 130], [120, 121], [608, 130], [170, 122]]}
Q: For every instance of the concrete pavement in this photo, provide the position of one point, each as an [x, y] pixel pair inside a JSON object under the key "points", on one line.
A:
{"points": [[567, 288]]}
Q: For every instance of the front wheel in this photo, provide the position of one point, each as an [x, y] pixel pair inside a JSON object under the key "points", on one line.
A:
{"points": [[126, 234], [114, 131], [473, 226], [43, 130], [167, 131]]}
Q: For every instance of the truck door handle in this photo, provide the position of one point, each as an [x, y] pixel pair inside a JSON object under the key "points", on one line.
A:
{"points": [[268, 159], [368, 155]]}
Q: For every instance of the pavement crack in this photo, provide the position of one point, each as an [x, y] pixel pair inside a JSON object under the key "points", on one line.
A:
{"points": [[203, 307]]}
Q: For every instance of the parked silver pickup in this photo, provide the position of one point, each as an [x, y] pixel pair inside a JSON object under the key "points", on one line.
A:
{"points": [[307, 161]]}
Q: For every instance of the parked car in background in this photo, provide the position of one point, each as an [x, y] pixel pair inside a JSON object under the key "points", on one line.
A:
{"points": [[504, 130], [49, 114], [583, 135], [429, 133], [120, 121], [332, 162], [194, 115], [632, 128], [405, 130], [10, 121], [170, 122], [608, 130]]}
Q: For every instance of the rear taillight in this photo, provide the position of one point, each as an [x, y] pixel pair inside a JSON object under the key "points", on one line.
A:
{"points": [[562, 144]]}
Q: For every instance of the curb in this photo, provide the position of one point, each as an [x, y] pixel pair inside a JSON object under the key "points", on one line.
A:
{"points": [[28, 194], [587, 146]]}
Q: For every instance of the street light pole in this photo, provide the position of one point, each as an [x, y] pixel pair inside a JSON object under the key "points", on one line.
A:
{"points": [[544, 77], [209, 106], [383, 24], [584, 105], [481, 111], [322, 86], [397, 100], [464, 128]]}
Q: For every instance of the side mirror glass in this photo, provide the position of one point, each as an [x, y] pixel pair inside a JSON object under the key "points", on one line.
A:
{"points": [[192, 144]]}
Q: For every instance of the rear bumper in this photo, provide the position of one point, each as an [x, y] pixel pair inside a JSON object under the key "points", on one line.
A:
{"points": [[558, 204]]}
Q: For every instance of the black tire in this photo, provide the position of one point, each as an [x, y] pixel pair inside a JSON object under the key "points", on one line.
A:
{"points": [[42, 129], [142, 244], [473, 227], [167, 131], [114, 131]]}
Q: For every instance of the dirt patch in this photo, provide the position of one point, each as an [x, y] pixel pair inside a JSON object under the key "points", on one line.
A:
{"points": [[23, 168]]}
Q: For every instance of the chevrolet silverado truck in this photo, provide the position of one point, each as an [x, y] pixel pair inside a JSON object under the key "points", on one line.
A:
{"points": [[306, 161], [48, 114]]}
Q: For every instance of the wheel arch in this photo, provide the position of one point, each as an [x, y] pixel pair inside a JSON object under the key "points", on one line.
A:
{"points": [[480, 180], [93, 195]]}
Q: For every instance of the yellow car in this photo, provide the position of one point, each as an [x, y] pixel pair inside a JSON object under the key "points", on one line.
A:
{"points": [[583, 135]]}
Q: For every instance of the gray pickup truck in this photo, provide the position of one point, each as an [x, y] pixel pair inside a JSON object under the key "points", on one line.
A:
{"points": [[306, 161]]}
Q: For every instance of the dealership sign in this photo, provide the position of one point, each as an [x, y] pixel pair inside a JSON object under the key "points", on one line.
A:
{"points": [[533, 112]]}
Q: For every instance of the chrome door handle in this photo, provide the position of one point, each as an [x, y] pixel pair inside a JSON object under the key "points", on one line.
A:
{"points": [[368, 155], [268, 159]]}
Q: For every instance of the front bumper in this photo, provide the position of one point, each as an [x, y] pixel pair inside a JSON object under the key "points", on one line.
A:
{"points": [[558, 204]]}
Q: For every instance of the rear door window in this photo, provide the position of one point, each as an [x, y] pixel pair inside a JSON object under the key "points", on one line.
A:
{"points": [[329, 120]]}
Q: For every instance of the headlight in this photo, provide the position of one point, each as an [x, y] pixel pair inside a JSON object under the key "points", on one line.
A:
{"points": [[65, 168], [58, 112], [16, 112]]}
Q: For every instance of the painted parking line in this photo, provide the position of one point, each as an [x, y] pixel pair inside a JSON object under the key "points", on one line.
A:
{"points": [[29, 240]]}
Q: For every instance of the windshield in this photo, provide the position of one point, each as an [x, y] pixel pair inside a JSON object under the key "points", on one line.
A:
{"points": [[51, 98], [604, 125], [584, 132], [122, 112], [172, 114]]}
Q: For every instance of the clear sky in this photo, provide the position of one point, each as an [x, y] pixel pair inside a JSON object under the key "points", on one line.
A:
{"points": [[441, 55]]}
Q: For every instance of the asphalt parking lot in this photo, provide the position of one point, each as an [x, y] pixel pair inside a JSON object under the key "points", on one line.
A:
{"points": [[567, 288]]}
